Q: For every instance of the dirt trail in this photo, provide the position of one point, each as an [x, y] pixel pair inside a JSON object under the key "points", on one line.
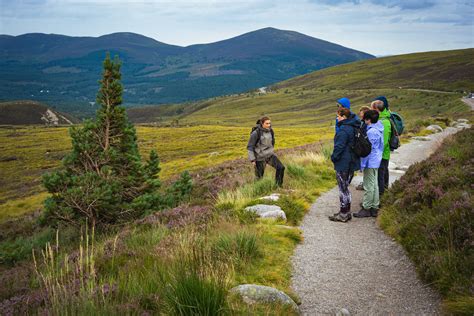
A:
{"points": [[355, 265]]}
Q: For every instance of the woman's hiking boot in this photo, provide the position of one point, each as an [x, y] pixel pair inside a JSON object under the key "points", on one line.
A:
{"points": [[341, 217], [373, 212], [360, 187], [363, 213]]}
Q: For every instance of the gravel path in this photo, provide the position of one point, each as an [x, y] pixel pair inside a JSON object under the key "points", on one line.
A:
{"points": [[469, 101], [355, 265]]}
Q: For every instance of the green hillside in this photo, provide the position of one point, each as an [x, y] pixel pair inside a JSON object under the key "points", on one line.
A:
{"points": [[416, 85]]}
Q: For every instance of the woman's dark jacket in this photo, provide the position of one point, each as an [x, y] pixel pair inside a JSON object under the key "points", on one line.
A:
{"points": [[343, 156]]}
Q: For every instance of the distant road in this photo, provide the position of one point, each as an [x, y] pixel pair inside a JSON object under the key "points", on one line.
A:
{"points": [[427, 90], [469, 101]]}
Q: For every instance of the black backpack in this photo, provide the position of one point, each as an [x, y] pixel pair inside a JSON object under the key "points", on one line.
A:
{"points": [[394, 141], [362, 146], [259, 132]]}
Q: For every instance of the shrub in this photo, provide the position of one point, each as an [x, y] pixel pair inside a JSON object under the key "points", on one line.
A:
{"points": [[429, 211]]}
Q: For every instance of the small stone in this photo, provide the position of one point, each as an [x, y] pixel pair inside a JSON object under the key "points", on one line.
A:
{"points": [[462, 126], [435, 128], [271, 197], [343, 312], [252, 293], [462, 120]]}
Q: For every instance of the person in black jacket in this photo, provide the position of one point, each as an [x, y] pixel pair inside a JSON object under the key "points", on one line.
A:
{"points": [[345, 161]]}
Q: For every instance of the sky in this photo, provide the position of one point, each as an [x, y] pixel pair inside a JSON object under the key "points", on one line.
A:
{"points": [[378, 27]]}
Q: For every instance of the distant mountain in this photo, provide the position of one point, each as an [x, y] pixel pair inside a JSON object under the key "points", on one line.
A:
{"points": [[31, 113], [64, 70]]}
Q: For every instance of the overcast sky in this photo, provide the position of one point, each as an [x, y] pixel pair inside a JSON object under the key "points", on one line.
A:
{"points": [[379, 27]]}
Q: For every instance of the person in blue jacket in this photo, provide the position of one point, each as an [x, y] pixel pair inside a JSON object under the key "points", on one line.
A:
{"points": [[345, 161], [344, 103], [370, 165]]}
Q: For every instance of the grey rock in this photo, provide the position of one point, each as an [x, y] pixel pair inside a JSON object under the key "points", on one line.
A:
{"points": [[271, 197], [462, 120], [252, 294], [343, 312], [435, 128], [274, 214], [267, 211]]}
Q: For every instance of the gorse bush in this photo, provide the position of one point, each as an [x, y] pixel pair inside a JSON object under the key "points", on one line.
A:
{"points": [[430, 211], [20, 248], [104, 179]]}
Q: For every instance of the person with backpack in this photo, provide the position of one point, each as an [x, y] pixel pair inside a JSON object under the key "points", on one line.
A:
{"points": [[370, 165], [384, 117], [345, 161], [363, 127], [261, 150]]}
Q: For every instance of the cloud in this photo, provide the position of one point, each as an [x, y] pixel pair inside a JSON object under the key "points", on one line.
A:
{"points": [[404, 5], [376, 26]]}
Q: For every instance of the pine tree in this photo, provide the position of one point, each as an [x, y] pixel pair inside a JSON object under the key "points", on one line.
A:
{"points": [[103, 179]]}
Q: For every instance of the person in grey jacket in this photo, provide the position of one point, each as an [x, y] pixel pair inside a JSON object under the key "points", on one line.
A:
{"points": [[261, 150]]}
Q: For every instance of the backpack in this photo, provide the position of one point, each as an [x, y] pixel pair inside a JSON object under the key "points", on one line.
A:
{"points": [[259, 132], [394, 141], [362, 146], [398, 121]]}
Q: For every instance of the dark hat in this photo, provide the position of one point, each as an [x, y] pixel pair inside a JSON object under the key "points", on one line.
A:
{"points": [[383, 99]]}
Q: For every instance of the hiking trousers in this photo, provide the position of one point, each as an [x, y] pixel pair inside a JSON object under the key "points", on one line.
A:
{"points": [[344, 178], [275, 163], [371, 187], [382, 176]]}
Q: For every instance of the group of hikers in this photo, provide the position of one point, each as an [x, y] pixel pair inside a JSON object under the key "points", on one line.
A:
{"points": [[372, 125]]}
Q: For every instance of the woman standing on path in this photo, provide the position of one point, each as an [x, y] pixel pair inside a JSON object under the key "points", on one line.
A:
{"points": [[370, 165], [345, 161]]}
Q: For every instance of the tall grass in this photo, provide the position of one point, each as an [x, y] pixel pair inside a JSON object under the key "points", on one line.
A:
{"points": [[196, 283], [70, 282], [241, 247]]}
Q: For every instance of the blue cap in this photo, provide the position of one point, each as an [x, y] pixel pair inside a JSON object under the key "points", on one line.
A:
{"points": [[345, 103]]}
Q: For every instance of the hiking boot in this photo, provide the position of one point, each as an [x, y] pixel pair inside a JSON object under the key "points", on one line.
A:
{"points": [[363, 213], [373, 212], [341, 217], [360, 187]]}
